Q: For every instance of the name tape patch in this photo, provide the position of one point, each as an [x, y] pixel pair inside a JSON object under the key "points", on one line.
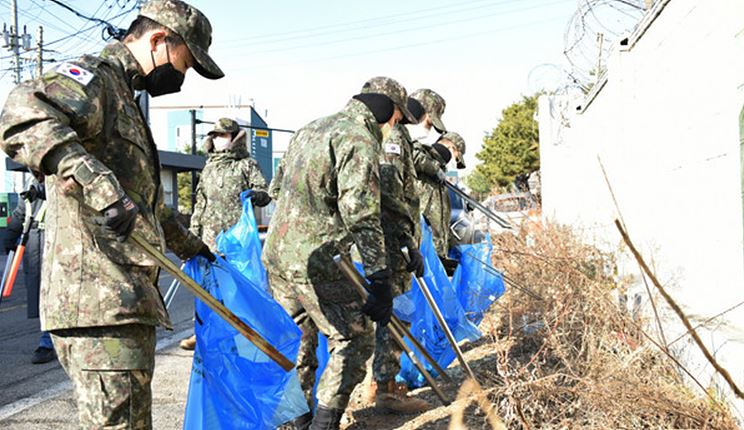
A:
{"points": [[75, 73], [392, 148]]}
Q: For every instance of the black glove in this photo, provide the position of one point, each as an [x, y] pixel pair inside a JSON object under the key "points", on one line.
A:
{"points": [[260, 198], [415, 261], [205, 252], [33, 193], [379, 304], [449, 265], [441, 177], [119, 218]]}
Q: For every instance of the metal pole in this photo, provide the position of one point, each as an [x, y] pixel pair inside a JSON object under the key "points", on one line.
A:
{"points": [[394, 332], [15, 43], [217, 307], [346, 261], [440, 318], [193, 152], [500, 221]]}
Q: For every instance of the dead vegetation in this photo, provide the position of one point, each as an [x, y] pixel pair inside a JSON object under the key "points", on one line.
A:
{"points": [[577, 358]]}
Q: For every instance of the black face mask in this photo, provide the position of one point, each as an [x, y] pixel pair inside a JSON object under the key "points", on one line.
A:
{"points": [[163, 79]]}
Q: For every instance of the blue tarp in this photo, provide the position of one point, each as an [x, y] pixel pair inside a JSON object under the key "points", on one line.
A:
{"points": [[233, 384]]}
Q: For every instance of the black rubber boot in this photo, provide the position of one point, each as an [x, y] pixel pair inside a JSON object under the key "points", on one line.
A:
{"points": [[300, 423], [326, 419]]}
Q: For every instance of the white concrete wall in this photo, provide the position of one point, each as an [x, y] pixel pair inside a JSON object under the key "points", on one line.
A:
{"points": [[666, 129]]}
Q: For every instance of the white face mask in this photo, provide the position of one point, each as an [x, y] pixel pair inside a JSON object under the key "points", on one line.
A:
{"points": [[221, 143], [418, 132]]}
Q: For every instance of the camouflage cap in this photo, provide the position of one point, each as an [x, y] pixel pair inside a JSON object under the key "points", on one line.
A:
{"points": [[225, 125], [394, 90], [459, 143], [434, 105], [193, 27]]}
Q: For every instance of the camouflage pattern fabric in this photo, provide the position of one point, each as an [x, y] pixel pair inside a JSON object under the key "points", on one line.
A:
{"points": [[226, 174], [193, 27], [435, 202], [433, 104], [111, 369], [92, 129], [334, 309], [386, 361], [328, 198], [459, 143], [393, 90]]}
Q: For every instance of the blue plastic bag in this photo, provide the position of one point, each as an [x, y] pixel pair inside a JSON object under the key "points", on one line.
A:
{"points": [[233, 384], [477, 286], [241, 246], [413, 308]]}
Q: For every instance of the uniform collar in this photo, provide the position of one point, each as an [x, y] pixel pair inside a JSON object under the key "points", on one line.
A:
{"points": [[361, 114], [119, 52]]}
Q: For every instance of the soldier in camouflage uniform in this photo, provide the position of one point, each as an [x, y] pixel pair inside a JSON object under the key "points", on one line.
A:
{"points": [[80, 125], [430, 162], [229, 171], [400, 214], [328, 198]]}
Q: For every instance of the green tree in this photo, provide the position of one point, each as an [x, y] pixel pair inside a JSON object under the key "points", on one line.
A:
{"points": [[512, 148], [478, 184], [184, 184]]}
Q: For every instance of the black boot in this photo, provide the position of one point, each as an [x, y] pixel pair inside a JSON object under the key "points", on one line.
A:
{"points": [[326, 419], [300, 423]]}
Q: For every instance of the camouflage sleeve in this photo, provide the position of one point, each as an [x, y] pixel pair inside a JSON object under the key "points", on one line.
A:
{"points": [[197, 213], [411, 195], [177, 237], [358, 183], [252, 171], [395, 185], [43, 124], [424, 163]]}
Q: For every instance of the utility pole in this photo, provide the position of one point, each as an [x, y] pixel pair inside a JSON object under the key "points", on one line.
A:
{"points": [[14, 41], [193, 152], [40, 51]]}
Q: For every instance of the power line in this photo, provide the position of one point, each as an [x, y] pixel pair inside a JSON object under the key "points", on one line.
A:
{"points": [[407, 30], [112, 31]]}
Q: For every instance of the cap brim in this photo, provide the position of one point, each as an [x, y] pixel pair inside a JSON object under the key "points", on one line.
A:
{"points": [[203, 63], [460, 163], [407, 114], [438, 124]]}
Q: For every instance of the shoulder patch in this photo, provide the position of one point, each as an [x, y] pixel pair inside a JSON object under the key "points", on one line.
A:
{"points": [[392, 148], [75, 73]]}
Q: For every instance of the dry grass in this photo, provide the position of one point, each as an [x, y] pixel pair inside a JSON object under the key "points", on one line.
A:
{"points": [[577, 359]]}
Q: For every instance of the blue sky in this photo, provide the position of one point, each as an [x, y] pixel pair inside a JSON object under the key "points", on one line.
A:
{"points": [[299, 60]]}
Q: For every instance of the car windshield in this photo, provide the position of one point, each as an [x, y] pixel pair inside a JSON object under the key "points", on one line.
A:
{"points": [[512, 204]]}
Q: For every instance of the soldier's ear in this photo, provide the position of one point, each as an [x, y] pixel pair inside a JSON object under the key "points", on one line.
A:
{"points": [[156, 37]]}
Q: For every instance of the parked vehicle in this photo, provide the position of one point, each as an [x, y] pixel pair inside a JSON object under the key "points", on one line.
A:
{"points": [[517, 208], [462, 222]]}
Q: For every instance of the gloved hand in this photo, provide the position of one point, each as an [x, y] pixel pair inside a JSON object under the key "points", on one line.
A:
{"points": [[34, 192], [119, 218], [379, 304], [260, 198], [441, 177], [415, 261], [205, 252]]}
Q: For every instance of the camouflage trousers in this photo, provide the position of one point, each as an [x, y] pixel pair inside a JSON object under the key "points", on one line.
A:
{"points": [[386, 361], [111, 369], [333, 309]]}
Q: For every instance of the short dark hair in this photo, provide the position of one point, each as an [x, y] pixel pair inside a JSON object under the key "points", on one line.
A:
{"points": [[143, 24]]}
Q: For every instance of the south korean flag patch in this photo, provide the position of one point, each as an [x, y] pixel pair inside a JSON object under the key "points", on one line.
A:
{"points": [[392, 148], [76, 73]]}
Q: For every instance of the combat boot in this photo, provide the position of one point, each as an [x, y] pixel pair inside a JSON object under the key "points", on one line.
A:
{"points": [[189, 343], [392, 397], [300, 423], [326, 419]]}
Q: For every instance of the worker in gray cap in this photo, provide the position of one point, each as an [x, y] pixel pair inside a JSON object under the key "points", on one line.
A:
{"points": [[79, 124]]}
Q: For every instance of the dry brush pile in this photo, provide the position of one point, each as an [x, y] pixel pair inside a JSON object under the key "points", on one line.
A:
{"points": [[576, 358]]}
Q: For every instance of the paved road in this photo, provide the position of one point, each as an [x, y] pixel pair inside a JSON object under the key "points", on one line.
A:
{"points": [[47, 387]]}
